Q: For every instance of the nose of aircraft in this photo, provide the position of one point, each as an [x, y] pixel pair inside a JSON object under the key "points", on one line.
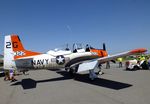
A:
{"points": [[104, 53], [100, 53]]}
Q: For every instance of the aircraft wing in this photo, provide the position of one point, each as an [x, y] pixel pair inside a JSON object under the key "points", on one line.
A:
{"points": [[93, 63], [115, 56]]}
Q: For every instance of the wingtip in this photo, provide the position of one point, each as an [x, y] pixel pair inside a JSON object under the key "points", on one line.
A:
{"points": [[139, 50]]}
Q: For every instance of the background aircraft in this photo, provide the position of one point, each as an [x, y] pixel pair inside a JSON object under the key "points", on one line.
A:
{"points": [[1, 64], [75, 61], [1, 59]]}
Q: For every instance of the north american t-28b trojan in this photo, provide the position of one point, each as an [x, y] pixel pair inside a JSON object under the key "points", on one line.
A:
{"points": [[16, 57]]}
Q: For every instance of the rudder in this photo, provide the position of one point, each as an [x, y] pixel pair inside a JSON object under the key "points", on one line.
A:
{"points": [[8, 54]]}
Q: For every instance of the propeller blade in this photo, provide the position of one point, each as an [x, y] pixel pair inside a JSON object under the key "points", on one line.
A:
{"points": [[104, 46]]}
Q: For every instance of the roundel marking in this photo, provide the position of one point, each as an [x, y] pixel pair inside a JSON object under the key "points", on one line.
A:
{"points": [[60, 60]]}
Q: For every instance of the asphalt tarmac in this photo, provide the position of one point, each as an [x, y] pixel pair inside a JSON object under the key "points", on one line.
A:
{"points": [[115, 86]]}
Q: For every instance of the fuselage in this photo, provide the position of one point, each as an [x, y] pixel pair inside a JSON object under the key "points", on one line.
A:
{"points": [[52, 61]]}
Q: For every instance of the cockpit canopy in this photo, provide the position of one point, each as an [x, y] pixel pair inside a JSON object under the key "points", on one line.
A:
{"points": [[77, 47]]}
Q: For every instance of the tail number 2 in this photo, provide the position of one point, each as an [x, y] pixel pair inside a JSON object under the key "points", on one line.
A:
{"points": [[13, 44]]}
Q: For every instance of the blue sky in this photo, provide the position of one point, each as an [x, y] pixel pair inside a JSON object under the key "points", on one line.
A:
{"points": [[47, 24]]}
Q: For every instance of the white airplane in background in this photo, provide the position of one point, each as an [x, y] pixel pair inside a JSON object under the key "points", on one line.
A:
{"points": [[76, 61], [1, 64]]}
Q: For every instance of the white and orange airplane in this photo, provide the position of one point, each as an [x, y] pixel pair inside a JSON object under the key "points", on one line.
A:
{"points": [[76, 61]]}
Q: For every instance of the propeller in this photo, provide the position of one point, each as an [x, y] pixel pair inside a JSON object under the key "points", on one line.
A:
{"points": [[104, 46]]}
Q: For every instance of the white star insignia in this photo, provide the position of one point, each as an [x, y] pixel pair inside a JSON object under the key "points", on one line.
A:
{"points": [[60, 59]]}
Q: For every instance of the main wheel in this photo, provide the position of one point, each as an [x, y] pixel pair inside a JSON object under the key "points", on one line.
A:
{"points": [[73, 70]]}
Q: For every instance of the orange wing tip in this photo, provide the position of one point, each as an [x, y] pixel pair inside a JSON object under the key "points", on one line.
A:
{"points": [[139, 50]]}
